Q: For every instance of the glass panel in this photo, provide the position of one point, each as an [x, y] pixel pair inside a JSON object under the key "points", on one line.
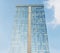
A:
{"points": [[19, 43], [38, 25]]}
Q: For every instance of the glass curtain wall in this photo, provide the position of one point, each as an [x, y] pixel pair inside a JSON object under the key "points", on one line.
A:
{"points": [[39, 37], [19, 39], [39, 31]]}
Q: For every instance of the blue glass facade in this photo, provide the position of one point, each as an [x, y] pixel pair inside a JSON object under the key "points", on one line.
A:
{"points": [[39, 37], [39, 31]]}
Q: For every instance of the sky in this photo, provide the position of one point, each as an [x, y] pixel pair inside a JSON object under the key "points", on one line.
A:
{"points": [[8, 13]]}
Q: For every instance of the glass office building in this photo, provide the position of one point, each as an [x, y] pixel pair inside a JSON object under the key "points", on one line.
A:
{"points": [[30, 32]]}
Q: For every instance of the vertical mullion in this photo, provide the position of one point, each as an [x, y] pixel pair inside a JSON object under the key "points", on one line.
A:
{"points": [[29, 30]]}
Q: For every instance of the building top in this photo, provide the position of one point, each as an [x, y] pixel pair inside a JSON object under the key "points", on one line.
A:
{"points": [[41, 5]]}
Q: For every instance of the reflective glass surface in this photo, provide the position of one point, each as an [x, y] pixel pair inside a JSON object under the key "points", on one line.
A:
{"points": [[39, 37], [19, 41], [39, 33]]}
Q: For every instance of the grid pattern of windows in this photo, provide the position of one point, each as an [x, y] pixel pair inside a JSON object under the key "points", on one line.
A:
{"points": [[39, 37], [39, 32], [19, 41]]}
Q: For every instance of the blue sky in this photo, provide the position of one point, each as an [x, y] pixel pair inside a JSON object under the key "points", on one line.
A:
{"points": [[8, 12]]}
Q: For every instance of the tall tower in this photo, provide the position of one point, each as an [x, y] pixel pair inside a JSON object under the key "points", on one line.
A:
{"points": [[30, 32]]}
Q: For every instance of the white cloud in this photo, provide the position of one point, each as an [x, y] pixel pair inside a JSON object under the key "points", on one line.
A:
{"points": [[56, 5]]}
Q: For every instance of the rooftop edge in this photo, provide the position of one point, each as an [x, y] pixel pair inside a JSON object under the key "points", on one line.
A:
{"points": [[30, 5]]}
